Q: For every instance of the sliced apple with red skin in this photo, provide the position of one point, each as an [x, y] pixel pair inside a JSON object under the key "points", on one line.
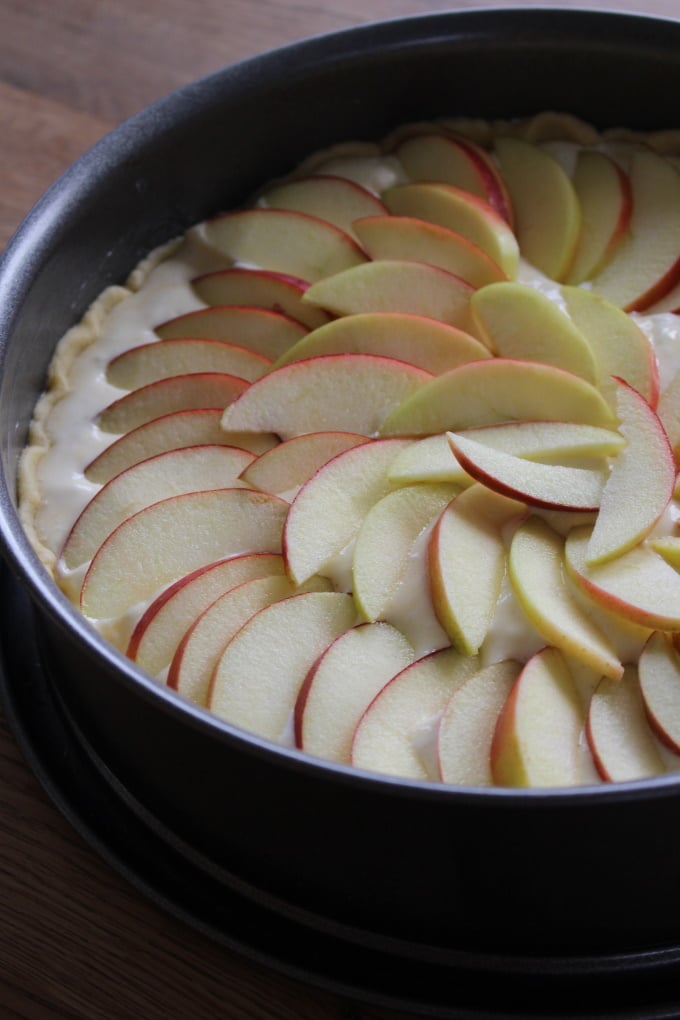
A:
{"points": [[495, 391], [468, 723], [536, 742], [168, 474], [197, 654], [258, 678], [461, 212], [647, 265], [606, 201], [537, 573], [668, 304], [466, 561], [641, 482], [620, 347], [667, 411], [619, 735], [150, 362], [395, 285], [422, 341], [176, 393], [159, 630], [284, 241], [518, 321], [638, 585], [406, 237], [342, 683], [196, 427], [547, 210], [169, 539], [553, 486], [335, 199], [259, 288], [286, 467], [659, 676], [386, 541], [396, 735], [328, 511], [346, 392], [257, 329]]}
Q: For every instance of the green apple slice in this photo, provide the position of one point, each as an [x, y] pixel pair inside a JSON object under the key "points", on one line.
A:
{"points": [[386, 540], [169, 474], [265, 332], [284, 241], [258, 678], [286, 467], [395, 285], [346, 392], [659, 676], [619, 735], [605, 197], [342, 683], [150, 362], [547, 210], [518, 321], [258, 288], [176, 393], [468, 723], [427, 343], [168, 539], [537, 736], [447, 160], [495, 391], [466, 561], [195, 427], [335, 199], [537, 572], [328, 511], [159, 630]]}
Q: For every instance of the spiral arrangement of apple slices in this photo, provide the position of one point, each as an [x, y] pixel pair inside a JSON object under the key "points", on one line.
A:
{"points": [[381, 500]]}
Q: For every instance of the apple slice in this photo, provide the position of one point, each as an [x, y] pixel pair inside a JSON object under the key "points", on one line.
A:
{"points": [[283, 241], [396, 735], [335, 199], [461, 212], [553, 486], [518, 321], [406, 237], [345, 392], [537, 573], [641, 482], [638, 585], [199, 650], [158, 632], [168, 474], [264, 332], [466, 560], [258, 678], [605, 197], [173, 537], [468, 723], [328, 511], [619, 735], [386, 541], [536, 742], [177, 393], [148, 363], [494, 391], [659, 676], [342, 683], [427, 343], [395, 285], [547, 210], [647, 264], [258, 288], [428, 460], [620, 347], [667, 411], [289, 465], [196, 427]]}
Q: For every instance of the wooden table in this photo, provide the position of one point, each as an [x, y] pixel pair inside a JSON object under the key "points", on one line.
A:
{"points": [[76, 941]]}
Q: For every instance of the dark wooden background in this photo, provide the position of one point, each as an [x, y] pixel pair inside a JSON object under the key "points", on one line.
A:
{"points": [[76, 941]]}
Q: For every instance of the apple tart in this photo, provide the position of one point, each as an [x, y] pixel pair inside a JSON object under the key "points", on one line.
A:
{"points": [[384, 465]]}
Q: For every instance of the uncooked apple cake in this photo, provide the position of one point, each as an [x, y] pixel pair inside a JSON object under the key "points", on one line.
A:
{"points": [[384, 466]]}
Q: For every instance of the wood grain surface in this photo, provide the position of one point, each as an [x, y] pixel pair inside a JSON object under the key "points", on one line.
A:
{"points": [[77, 942]]}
